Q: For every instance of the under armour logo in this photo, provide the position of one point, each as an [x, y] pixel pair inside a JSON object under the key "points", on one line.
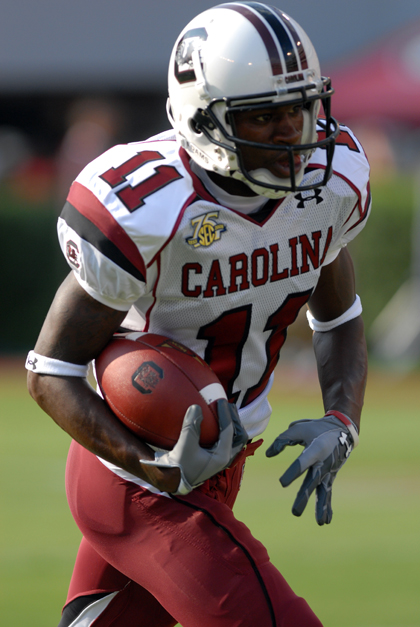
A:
{"points": [[343, 439], [302, 199], [32, 363]]}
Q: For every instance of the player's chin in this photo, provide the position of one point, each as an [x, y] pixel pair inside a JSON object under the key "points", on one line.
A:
{"points": [[282, 169]]}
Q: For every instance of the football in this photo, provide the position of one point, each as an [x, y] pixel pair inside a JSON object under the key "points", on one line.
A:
{"points": [[149, 381]]}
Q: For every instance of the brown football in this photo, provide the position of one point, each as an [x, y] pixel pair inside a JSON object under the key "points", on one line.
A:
{"points": [[149, 381]]}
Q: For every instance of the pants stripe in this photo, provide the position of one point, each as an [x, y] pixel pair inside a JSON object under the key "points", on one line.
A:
{"points": [[243, 549]]}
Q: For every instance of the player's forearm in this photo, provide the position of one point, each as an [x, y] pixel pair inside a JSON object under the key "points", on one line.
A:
{"points": [[341, 357], [79, 411]]}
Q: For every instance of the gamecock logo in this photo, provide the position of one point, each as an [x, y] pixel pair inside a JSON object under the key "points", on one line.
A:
{"points": [[72, 253], [147, 377]]}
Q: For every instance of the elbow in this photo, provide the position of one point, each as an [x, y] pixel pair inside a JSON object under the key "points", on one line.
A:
{"points": [[35, 386]]}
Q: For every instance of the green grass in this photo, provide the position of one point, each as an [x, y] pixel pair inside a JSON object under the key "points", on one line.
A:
{"points": [[361, 571], [38, 536]]}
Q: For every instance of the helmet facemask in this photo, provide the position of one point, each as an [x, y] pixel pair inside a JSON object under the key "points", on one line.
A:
{"points": [[223, 134]]}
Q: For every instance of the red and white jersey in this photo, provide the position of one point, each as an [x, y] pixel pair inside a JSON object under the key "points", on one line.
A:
{"points": [[141, 231]]}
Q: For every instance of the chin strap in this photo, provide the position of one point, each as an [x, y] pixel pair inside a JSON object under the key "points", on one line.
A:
{"points": [[268, 192]]}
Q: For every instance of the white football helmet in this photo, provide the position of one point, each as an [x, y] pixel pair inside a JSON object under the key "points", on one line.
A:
{"points": [[240, 56]]}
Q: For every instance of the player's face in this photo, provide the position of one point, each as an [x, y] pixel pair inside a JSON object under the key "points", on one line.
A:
{"points": [[280, 125]]}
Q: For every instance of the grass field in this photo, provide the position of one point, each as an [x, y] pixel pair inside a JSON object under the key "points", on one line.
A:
{"points": [[363, 570]]}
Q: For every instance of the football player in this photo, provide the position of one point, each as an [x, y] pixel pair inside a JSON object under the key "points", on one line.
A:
{"points": [[216, 234]]}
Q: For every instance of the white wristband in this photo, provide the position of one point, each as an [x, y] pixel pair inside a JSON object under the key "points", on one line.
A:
{"points": [[46, 365], [353, 311]]}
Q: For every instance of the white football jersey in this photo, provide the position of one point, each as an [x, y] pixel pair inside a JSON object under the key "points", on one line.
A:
{"points": [[141, 231]]}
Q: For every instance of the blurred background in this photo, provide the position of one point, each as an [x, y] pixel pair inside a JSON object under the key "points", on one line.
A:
{"points": [[77, 77]]}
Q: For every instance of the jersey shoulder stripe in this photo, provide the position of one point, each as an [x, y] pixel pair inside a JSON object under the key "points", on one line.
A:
{"points": [[364, 209], [349, 162], [86, 215]]}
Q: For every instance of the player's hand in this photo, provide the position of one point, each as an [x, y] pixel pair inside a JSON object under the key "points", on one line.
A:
{"points": [[198, 464], [328, 443]]}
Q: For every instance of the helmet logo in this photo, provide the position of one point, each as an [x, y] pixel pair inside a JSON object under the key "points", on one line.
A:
{"points": [[191, 41], [206, 230]]}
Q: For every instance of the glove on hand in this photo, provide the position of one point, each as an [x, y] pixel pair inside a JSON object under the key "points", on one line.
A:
{"points": [[198, 464], [328, 443]]}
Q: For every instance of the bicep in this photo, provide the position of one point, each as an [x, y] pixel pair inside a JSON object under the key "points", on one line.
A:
{"points": [[335, 292], [77, 327]]}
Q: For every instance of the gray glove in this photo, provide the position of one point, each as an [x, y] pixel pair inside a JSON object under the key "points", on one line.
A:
{"points": [[328, 443], [198, 464]]}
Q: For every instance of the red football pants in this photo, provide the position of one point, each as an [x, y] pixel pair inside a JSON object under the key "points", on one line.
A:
{"points": [[181, 559]]}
